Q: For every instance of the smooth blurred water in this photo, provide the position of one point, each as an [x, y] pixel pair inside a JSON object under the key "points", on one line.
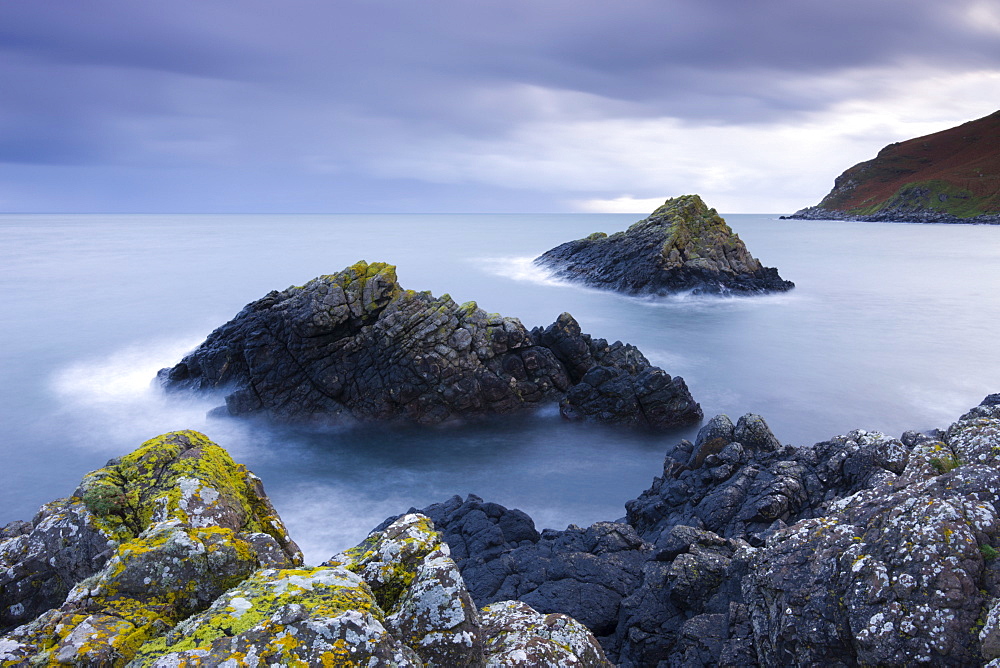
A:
{"points": [[890, 327]]}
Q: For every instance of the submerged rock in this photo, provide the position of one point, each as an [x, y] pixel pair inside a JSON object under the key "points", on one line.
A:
{"points": [[355, 346], [860, 550], [683, 246], [189, 565]]}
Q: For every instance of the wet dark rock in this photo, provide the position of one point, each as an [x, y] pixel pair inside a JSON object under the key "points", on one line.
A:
{"points": [[357, 347], [893, 214], [860, 550], [584, 573], [683, 246]]}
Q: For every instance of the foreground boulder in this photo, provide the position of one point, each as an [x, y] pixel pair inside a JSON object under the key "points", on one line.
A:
{"points": [[355, 346], [683, 246], [185, 563], [179, 494], [861, 550]]}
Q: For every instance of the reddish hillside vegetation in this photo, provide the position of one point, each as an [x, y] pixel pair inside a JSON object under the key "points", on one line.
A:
{"points": [[954, 172]]}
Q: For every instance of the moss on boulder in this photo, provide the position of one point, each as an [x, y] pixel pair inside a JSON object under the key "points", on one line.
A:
{"points": [[199, 571], [683, 246]]}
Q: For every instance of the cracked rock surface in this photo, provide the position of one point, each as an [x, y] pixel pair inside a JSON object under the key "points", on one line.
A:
{"points": [[180, 560], [355, 346], [861, 550]]}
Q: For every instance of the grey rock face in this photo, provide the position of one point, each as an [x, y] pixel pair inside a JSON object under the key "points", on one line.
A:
{"points": [[36, 569], [356, 346], [615, 383], [683, 246], [584, 573], [517, 635], [860, 550]]}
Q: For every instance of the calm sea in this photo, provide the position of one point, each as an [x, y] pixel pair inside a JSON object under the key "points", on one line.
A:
{"points": [[891, 327]]}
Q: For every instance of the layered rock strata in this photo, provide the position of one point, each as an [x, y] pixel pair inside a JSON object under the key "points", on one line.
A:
{"points": [[861, 550], [355, 346], [188, 565], [683, 246]]}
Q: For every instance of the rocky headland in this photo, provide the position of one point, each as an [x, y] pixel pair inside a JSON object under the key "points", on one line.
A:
{"points": [[861, 550], [683, 246], [952, 176], [357, 347]]}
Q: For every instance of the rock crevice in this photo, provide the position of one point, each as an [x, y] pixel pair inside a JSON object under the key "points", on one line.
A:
{"points": [[357, 347], [193, 568], [860, 550]]}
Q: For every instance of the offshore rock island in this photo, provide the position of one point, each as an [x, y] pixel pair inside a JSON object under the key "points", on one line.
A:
{"points": [[683, 246], [951, 176], [861, 550], [357, 347]]}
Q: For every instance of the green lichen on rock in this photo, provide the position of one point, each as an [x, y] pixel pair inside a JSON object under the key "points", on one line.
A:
{"points": [[202, 584], [307, 616], [698, 236], [167, 573], [682, 246], [185, 476], [418, 585], [184, 524], [388, 560]]}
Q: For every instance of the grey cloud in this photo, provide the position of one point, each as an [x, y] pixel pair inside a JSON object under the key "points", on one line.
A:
{"points": [[428, 59], [165, 84]]}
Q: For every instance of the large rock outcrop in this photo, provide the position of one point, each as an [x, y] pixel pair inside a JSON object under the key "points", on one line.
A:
{"points": [[683, 246], [355, 346], [177, 494], [952, 176], [861, 550], [197, 570]]}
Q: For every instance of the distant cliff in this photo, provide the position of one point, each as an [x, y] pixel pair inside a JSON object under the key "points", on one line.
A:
{"points": [[683, 246], [951, 176]]}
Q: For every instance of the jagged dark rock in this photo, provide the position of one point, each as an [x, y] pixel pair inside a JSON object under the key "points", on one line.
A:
{"points": [[196, 569], [501, 555], [683, 246], [952, 176], [355, 346], [860, 550]]}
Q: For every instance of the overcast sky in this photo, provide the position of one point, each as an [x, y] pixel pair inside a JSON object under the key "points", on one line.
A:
{"points": [[472, 105]]}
